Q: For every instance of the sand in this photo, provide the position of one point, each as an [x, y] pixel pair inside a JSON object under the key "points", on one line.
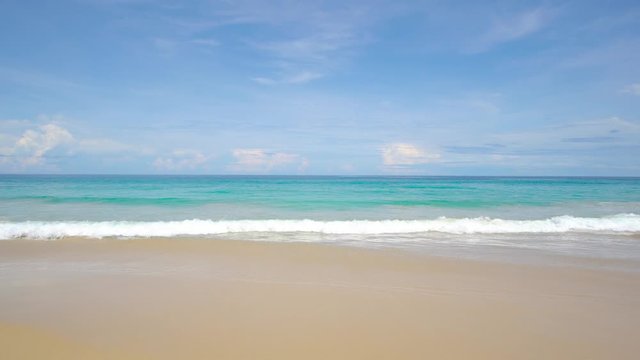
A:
{"points": [[204, 299]]}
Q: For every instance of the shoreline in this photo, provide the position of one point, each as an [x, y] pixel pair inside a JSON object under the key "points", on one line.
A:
{"points": [[162, 298], [465, 251]]}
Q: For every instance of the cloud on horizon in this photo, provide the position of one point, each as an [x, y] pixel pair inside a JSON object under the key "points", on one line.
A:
{"points": [[32, 146], [180, 160], [47, 136], [405, 154], [261, 160]]}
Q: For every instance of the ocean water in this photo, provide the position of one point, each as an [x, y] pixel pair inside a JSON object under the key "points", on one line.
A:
{"points": [[593, 217]]}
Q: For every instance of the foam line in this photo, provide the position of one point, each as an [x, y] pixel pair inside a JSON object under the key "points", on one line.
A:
{"points": [[628, 223]]}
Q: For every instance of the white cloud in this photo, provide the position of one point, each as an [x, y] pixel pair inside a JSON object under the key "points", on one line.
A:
{"points": [[181, 159], [261, 160], [512, 28], [33, 145], [402, 154]]}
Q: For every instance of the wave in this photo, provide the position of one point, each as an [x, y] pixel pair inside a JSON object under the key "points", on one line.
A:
{"points": [[621, 223]]}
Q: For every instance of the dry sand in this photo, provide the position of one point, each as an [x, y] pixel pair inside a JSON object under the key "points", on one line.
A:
{"points": [[204, 299]]}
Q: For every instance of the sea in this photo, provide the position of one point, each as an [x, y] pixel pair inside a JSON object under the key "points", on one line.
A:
{"points": [[594, 218]]}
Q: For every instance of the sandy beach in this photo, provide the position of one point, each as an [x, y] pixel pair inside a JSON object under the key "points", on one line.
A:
{"points": [[203, 299], [319, 180]]}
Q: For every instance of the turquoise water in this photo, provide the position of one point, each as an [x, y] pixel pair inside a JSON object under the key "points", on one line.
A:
{"points": [[217, 197], [588, 216]]}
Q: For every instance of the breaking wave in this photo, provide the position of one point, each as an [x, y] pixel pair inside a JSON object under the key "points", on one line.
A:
{"points": [[621, 223]]}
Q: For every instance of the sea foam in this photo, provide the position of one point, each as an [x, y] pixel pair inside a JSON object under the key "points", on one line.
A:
{"points": [[621, 223]]}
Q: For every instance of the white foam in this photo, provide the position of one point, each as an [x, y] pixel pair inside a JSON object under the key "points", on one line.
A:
{"points": [[625, 223]]}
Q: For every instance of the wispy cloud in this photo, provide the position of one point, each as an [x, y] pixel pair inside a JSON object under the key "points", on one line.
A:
{"points": [[171, 45], [582, 134], [309, 37], [511, 28], [571, 145], [314, 48], [633, 89], [293, 39], [261, 160], [299, 78], [37, 79], [181, 159]]}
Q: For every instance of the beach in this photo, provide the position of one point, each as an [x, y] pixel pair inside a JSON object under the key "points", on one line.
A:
{"points": [[330, 180], [193, 298], [251, 267]]}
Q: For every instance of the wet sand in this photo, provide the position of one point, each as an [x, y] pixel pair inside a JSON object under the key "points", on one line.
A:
{"points": [[204, 299]]}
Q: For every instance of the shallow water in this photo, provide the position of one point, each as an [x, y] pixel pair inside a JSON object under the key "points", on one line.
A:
{"points": [[593, 217]]}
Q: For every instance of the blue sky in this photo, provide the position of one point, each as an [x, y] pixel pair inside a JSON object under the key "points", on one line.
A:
{"points": [[320, 87]]}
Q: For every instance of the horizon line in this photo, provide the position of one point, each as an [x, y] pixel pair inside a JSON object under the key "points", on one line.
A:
{"points": [[324, 175]]}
